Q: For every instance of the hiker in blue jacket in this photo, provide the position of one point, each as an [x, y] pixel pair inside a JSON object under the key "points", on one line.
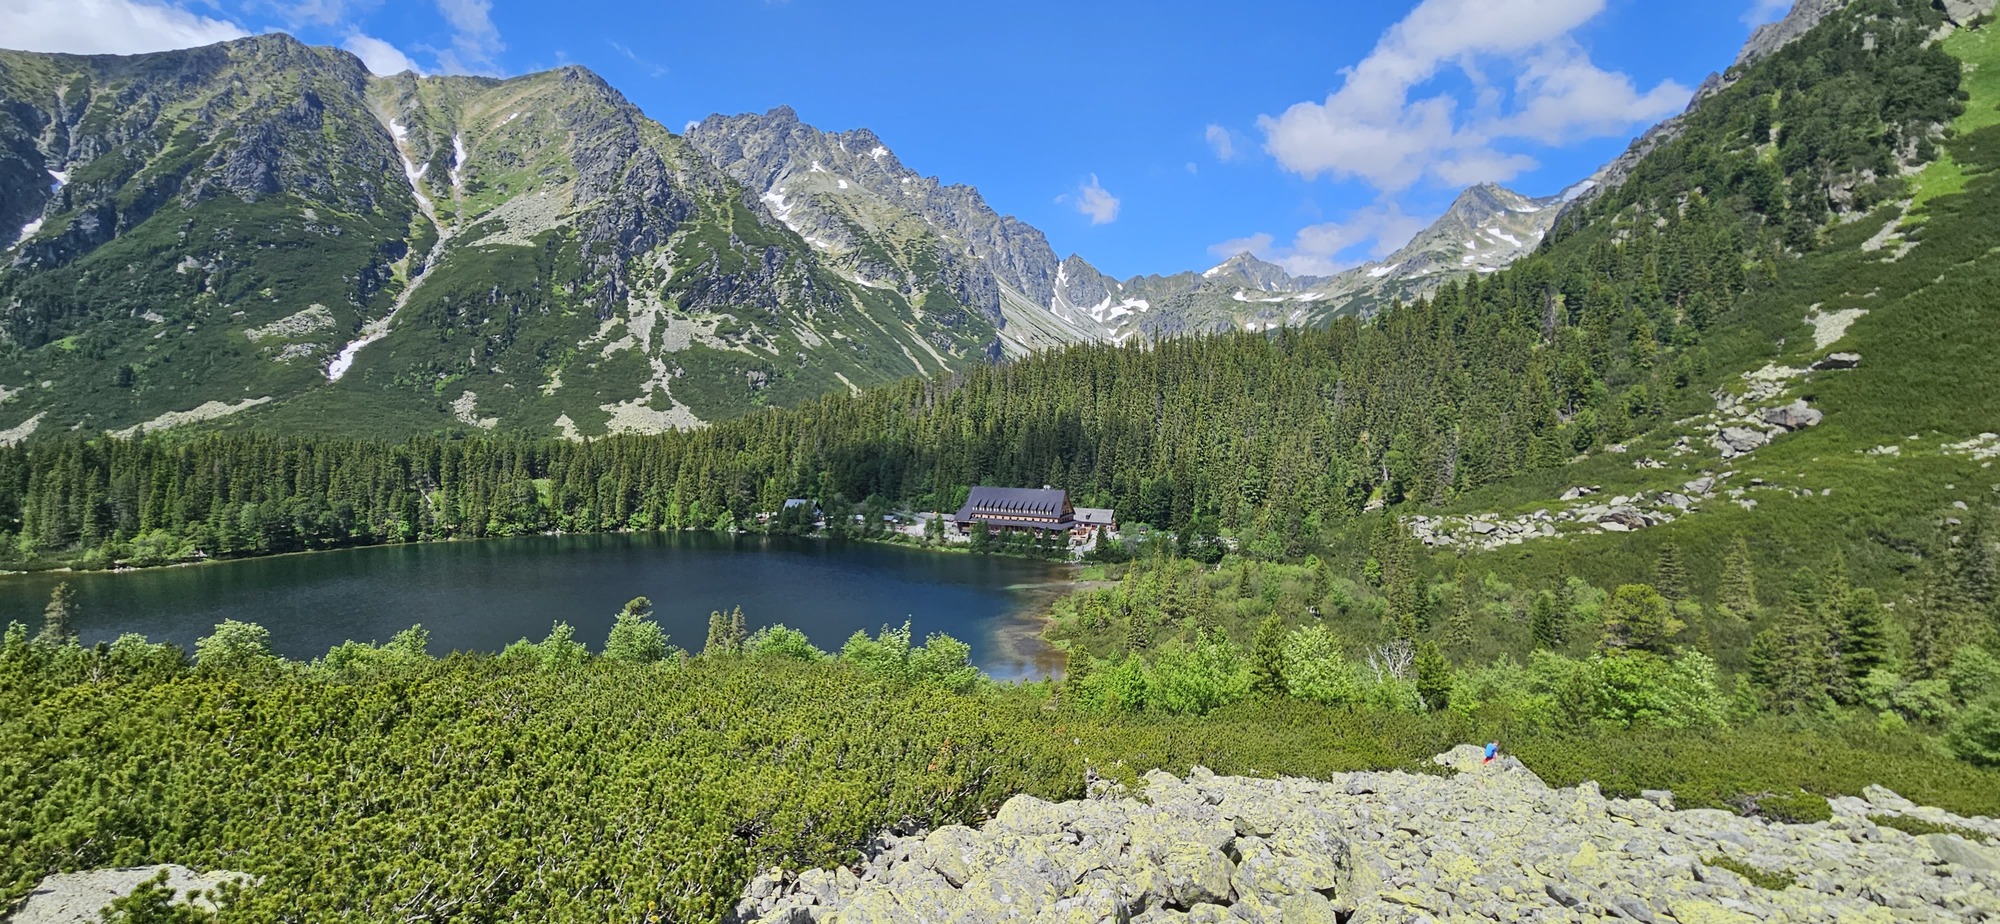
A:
{"points": [[1492, 751]]}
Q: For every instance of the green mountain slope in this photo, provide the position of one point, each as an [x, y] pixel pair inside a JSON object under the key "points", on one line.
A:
{"points": [[216, 230]]}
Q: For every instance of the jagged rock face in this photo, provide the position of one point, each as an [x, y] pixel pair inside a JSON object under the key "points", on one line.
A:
{"points": [[1246, 271], [1489, 843], [1768, 38], [576, 266], [126, 137], [1772, 36], [849, 197]]}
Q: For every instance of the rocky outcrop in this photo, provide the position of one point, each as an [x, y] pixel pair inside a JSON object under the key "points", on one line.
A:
{"points": [[1618, 514], [1490, 842], [1768, 38], [81, 897], [1965, 11]]}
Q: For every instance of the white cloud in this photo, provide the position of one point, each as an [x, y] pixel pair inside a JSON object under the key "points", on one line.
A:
{"points": [[1224, 145], [652, 68], [1328, 248], [1567, 97], [1763, 11], [96, 27], [475, 41], [1094, 201], [1370, 129], [382, 58]]}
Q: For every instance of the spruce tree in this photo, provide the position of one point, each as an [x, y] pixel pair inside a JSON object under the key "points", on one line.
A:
{"points": [[1544, 623], [1940, 624], [59, 617], [1670, 575], [718, 633], [1267, 657], [1738, 597], [1865, 642], [1797, 659], [1458, 629], [1433, 676], [1138, 635]]}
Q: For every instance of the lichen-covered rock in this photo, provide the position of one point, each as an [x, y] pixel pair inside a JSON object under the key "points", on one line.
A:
{"points": [[1489, 842]]}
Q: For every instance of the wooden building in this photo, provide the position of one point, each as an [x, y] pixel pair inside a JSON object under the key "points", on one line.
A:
{"points": [[1024, 510], [1090, 519]]}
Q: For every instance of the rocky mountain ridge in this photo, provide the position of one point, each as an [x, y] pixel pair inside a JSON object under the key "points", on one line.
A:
{"points": [[262, 228], [1485, 842], [1765, 40], [848, 195]]}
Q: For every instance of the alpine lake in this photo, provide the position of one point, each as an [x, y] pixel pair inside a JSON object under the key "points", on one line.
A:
{"points": [[482, 595]]}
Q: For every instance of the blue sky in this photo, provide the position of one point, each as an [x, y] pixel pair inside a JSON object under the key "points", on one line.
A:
{"points": [[1149, 137]]}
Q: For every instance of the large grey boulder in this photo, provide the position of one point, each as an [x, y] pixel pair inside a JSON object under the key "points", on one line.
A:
{"points": [[1965, 11], [1794, 416], [1479, 842], [81, 897], [1736, 441]]}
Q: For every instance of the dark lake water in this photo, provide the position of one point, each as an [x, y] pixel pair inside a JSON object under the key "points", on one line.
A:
{"points": [[479, 596]]}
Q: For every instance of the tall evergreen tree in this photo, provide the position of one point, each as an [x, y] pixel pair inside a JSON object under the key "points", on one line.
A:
{"points": [[1670, 575], [1738, 597], [1544, 623], [59, 617], [1267, 657], [1433, 675], [1458, 628], [1798, 660]]}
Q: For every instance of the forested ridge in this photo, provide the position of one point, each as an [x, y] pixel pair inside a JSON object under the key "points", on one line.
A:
{"points": [[1609, 331]]}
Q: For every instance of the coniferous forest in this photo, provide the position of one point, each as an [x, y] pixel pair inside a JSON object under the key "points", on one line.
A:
{"points": [[1835, 624]]}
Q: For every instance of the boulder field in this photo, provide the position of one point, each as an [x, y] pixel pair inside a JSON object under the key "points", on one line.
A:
{"points": [[1477, 842]]}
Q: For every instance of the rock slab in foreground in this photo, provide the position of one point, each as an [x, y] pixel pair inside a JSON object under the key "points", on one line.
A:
{"points": [[78, 898], [1491, 842]]}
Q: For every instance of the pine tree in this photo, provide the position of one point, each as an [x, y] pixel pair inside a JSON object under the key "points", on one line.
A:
{"points": [[59, 617], [1866, 634], [1322, 578], [1738, 597], [1267, 657], [1138, 635], [1433, 675], [718, 634], [739, 632], [635, 637], [1544, 622], [1670, 575], [1458, 628], [1797, 659], [1940, 624], [1637, 618]]}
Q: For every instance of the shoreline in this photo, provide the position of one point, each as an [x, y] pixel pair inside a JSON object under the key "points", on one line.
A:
{"points": [[947, 548], [1022, 651]]}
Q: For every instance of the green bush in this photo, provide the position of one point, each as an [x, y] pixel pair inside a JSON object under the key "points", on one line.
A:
{"points": [[1762, 879], [1798, 808], [1919, 827]]}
